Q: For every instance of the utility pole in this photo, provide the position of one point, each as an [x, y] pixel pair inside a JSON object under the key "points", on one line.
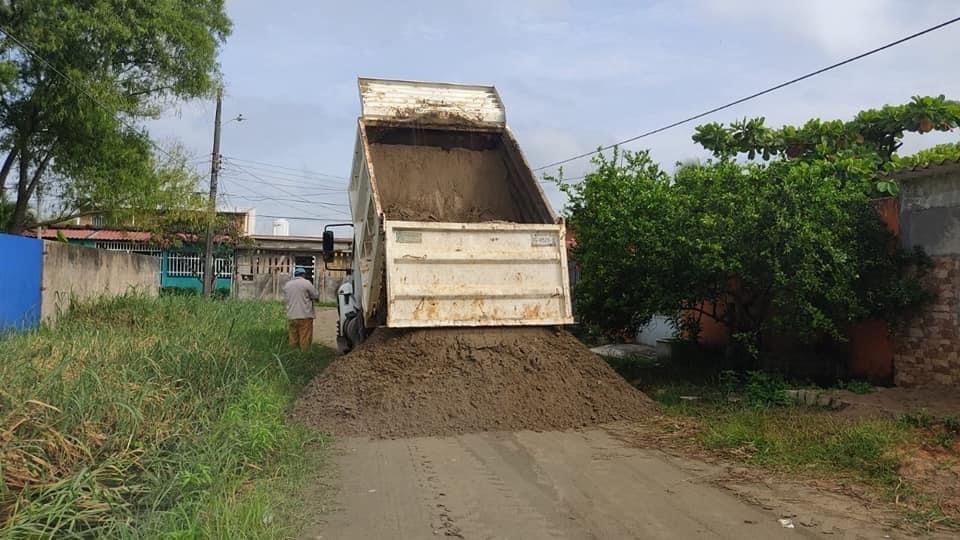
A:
{"points": [[209, 274]]}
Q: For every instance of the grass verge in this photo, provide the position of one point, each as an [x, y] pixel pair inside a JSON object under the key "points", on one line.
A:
{"points": [[750, 418], [161, 417]]}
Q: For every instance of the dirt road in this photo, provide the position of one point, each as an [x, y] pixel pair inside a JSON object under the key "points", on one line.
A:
{"points": [[325, 327], [577, 485], [558, 485]]}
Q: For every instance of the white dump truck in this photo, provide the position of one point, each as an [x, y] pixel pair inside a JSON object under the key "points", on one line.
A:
{"points": [[450, 226]]}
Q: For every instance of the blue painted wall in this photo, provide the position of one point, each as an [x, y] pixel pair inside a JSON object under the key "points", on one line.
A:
{"points": [[21, 263]]}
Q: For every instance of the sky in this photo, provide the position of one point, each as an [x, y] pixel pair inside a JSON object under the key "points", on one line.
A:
{"points": [[572, 75]]}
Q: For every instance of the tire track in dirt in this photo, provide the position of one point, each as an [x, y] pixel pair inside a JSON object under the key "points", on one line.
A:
{"points": [[431, 485], [493, 498], [573, 485]]}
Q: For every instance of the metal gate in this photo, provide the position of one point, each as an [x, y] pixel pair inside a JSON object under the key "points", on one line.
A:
{"points": [[20, 275]]}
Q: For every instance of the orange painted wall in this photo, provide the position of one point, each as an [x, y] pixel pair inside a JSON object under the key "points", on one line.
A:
{"points": [[871, 346], [871, 351]]}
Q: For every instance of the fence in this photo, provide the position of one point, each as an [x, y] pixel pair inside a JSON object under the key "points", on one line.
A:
{"points": [[20, 275], [180, 265], [39, 280]]}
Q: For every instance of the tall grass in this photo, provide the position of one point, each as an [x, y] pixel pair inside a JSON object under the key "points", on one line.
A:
{"points": [[140, 417]]}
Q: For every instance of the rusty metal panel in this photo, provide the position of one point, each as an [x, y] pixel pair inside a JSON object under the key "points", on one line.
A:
{"points": [[432, 102], [476, 274]]}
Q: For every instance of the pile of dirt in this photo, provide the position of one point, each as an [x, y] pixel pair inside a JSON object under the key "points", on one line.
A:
{"points": [[429, 183], [404, 383]]}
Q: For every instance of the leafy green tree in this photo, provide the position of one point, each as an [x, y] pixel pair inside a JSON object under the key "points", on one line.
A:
{"points": [[872, 138], [621, 216], [786, 243], [787, 248], [76, 76], [928, 156]]}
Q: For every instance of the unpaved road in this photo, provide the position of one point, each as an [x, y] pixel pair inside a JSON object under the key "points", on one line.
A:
{"points": [[325, 327], [557, 485], [576, 485]]}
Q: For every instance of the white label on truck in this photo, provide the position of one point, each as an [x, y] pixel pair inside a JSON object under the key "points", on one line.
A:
{"points": [[409, 237], [540, 239]]}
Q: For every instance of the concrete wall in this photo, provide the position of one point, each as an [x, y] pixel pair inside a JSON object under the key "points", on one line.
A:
{"points": [[82, 273], [270, 286], [930, 212], [927, 351]]}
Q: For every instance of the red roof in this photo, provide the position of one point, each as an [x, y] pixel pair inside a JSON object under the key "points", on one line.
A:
{"points": [[96, 234]]}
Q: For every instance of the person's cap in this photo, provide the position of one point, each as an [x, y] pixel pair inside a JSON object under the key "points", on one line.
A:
{"points": [[299, 271]]}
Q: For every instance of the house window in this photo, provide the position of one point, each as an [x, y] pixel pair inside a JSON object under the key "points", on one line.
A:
{"points": [[182, 265], [99, 221], [190, 265]]}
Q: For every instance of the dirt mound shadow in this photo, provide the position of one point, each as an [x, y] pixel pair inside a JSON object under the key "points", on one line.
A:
{"points": [[404, 383]]}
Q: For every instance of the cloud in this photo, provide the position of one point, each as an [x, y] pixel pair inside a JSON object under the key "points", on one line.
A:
{"points": [[837, 28]]}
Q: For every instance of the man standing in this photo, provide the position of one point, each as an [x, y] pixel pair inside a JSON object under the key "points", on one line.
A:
{"points": [[300, 295]]}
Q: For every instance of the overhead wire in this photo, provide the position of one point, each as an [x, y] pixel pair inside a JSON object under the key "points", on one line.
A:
{"points": [[302, 218], [300, 199], [755, 94], [235, 174], [282, 167]]}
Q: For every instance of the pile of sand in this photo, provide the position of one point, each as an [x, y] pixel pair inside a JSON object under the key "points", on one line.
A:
{"points": [[403, 383]]}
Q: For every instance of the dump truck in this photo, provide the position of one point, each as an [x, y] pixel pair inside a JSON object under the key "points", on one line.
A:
{"points": [[450, 225]]}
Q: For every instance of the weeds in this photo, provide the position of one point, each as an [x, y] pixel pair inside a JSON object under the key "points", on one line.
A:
{"points": [[151, 417], [750, 417], [766, 390], [859, 387]]}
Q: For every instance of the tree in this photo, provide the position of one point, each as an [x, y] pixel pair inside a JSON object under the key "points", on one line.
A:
{"points": [[869, 141], [76, 76], [785, 243], [622, 217], [787, 248], [928, 156]]}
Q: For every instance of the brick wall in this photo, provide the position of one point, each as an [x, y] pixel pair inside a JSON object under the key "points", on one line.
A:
{"points": [[928, 349]]}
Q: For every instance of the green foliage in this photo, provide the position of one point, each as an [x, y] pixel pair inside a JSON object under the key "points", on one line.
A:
{"points": [[859, 387], [766, 390], [873, 135], [158, 418], [919, 419], [124, 59], [935, 154], [869, 142], [787, 244], [796, 440], [621, 215]]}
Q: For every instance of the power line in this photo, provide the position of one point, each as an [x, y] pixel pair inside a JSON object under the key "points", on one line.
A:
{"points": [[293, 175], [79, 87], [756, 94], [259, 196], [314, 183], [300, 218], [233, 173], [300, 171], [263, 198], [329, 206], [243, 169]]}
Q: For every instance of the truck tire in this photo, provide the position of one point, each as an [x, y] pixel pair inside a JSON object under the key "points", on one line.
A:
{"points": [[352, 331]]}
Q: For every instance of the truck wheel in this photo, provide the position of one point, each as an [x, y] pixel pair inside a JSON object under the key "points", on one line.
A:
{"points": [[343, 346], [353, 331]]}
